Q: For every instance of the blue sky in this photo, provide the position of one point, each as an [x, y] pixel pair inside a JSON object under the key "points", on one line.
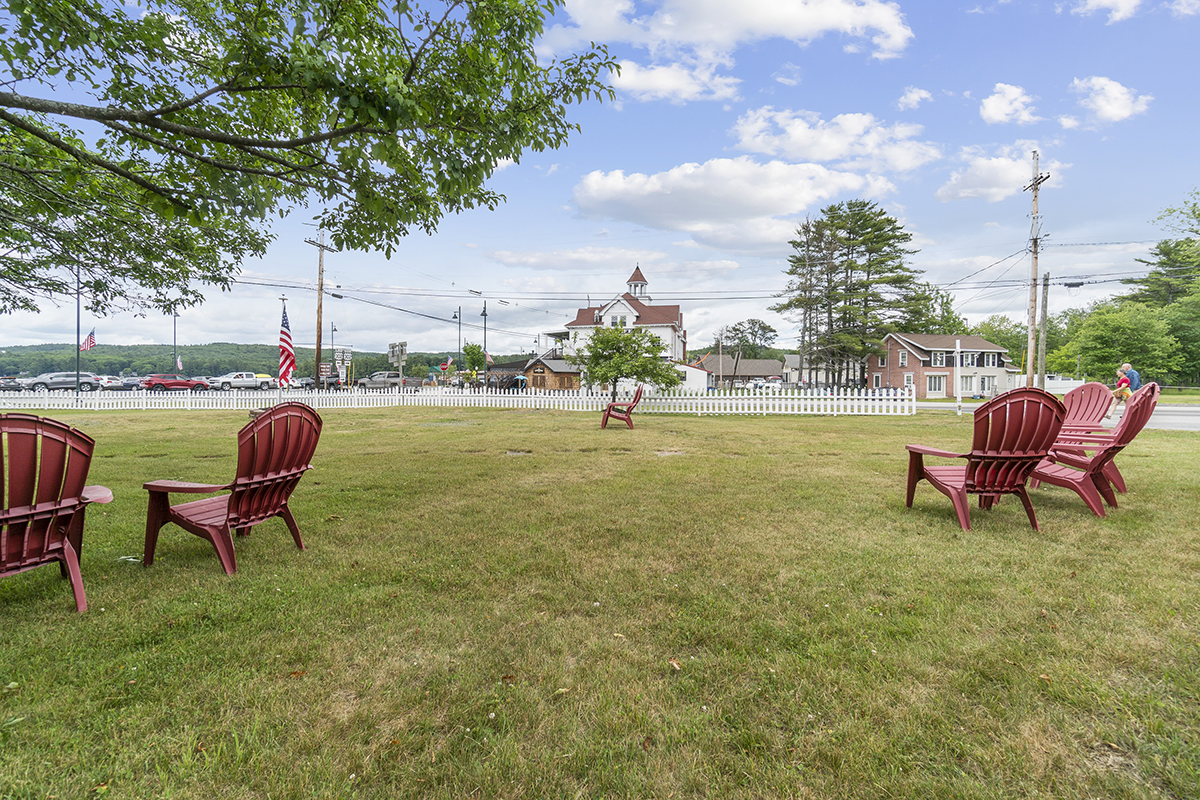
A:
{"points": [[735, 120]]}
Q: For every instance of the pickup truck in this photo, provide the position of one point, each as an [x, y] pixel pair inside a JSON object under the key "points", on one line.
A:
{"points": [[240, 380], [381, 380]]}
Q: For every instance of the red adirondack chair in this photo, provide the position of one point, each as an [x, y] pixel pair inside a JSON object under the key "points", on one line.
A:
{"points": [[1086, 406], [1094, 477], [622, 410], [273, 454], [1013, 433], [44, 465]]}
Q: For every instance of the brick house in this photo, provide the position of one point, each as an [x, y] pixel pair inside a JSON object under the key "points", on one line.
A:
{"points": [[926, 362]]}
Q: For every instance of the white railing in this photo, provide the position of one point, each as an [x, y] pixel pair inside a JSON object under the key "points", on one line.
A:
{"points": [[831, 402]]}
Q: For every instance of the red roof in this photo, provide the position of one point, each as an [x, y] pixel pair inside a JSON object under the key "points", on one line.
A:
{"points": [[637, 276], [646, 315]]}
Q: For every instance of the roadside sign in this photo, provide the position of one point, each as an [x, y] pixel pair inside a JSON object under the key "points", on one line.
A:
{"points": [[326, 369], [443, 366]]}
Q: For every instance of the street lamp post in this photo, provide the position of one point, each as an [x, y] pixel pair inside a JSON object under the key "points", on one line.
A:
{"points": [[484, 315], [175, 338], [333, 350], [458, 316]]}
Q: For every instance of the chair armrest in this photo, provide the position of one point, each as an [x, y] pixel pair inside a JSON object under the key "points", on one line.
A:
{"points": [[96, 494], [1086, 438], [183, 486], [1070, 459], [932, 451]]}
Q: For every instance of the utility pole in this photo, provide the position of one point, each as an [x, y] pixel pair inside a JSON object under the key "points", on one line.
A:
{"points": [[321, 248], [1035, 233], [1042, 333]]}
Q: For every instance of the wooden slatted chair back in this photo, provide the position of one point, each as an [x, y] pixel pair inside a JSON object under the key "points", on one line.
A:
{"points": [[274, 451], [1086, 405], [1013, 432], [43, 474]]}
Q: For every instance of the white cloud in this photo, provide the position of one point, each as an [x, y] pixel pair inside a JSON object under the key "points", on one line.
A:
{"points": [[735, 203], [1184, 8], [1068, 122], [913, 97], [993, 177], [675, 82], [1008, 103], [790, 74], [1117, 9], [722, 27], [859, 141], [690, 40], [1109, 101], [595, 259]]}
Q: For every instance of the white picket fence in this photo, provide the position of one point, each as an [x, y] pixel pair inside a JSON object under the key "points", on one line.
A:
{"points": [[830, 402]]}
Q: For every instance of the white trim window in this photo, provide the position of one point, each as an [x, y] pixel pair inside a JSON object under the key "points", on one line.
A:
{"points": [[883, 360], [876, 380], [935, 385], [908, 380], [938, 359], [903, 358], [967, 384], [967, 359], [987, 384], [991, 359]]}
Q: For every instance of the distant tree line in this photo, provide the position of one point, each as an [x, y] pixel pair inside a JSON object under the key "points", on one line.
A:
{"points": [[198, 360]]}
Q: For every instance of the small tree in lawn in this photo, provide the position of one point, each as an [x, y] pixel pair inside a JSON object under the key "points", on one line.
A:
{"points": [[474, 356], [632, 353]]}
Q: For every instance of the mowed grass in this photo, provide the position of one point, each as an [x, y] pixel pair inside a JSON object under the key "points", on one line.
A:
{"points": [[519, 604]]}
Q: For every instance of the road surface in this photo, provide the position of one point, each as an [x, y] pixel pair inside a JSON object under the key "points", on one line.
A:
{"points": [[1167, 417]]}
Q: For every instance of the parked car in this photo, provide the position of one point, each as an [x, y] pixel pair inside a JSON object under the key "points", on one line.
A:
{"points": [[381, 380], [272, 382], [304, 383], [240, 380], [88, 381], [10, 385], [131, 383], [161, 382], [111, 382]]}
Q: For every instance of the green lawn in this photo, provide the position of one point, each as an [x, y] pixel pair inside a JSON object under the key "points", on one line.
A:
{"points": [[519, 604]]}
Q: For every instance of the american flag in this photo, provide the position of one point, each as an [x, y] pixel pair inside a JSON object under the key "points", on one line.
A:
{"points": [[287, 356], [89, 341], [488, 356]]}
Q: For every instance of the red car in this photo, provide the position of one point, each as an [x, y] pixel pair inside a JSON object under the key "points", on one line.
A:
{"points": [[161, 383]]}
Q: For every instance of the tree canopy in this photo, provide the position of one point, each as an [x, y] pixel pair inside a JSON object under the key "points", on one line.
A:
{"points": [[850, 285], [752, 337], [613, 354], [1113, 334], [147, 146]]}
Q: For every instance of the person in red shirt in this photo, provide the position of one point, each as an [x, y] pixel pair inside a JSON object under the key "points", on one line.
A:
{"points": [[1121, 393]]}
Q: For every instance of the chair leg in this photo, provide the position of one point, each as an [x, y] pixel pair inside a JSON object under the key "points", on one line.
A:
{"points": [[286, 513], [1025, 501], [1114, 476], [1102, 486], [604, 420], [71, 559], [157, 513], [223, 542], [916, 471], [962, 507]]}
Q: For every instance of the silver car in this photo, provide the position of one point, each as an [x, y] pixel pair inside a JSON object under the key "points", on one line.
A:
{"points": [[88, 381]]}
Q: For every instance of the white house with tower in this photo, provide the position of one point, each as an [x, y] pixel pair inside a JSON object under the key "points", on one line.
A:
{"points": [[633, 309]]}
